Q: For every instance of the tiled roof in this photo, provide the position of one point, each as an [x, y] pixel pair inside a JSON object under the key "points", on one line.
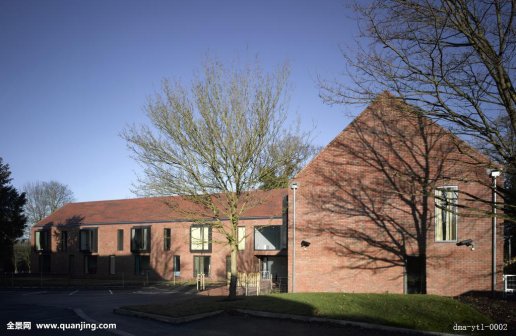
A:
{"points": [[155, 209]]}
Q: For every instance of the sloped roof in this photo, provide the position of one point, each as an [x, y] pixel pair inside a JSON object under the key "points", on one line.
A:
{"points": [[386, 102], [154, 209]]}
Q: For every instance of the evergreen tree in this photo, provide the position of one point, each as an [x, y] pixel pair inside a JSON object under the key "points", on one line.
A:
{"points": [[12, 219]]}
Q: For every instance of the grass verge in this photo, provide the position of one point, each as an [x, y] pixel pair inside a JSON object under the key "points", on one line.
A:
{"points": [[419, 312]]}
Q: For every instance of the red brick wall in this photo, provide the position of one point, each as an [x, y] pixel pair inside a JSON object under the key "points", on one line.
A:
{"points": [[161, 260], [366, 201]]}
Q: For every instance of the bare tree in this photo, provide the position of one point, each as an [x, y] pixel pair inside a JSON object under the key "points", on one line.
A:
{"points": [[213, 143], [291, 153], [455, 59], [43, 198]]}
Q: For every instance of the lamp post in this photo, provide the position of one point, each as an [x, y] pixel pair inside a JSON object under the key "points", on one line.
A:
{"points": [[294, 187], [494, 174]]}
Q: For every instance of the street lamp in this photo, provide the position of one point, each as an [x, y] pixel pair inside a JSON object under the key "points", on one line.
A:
{"points": [[494, 174], [294, 187]]}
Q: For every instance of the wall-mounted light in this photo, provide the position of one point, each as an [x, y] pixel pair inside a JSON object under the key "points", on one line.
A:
{"points": [[305, 244], [468, 243]]}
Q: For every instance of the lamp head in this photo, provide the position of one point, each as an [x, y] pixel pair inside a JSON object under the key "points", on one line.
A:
{"points": [[495, 173], [468, 243], [293, 186], [305, 244]]}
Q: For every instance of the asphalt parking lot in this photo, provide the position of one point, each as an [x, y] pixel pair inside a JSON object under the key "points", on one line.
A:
{"points": [[72, 308]]}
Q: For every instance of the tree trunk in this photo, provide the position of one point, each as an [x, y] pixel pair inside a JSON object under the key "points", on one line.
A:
{"points": [[234, 272], [423, 273]]}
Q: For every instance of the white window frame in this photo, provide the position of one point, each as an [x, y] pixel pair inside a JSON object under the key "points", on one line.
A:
{"points": [[200, 238], [438, 210]]}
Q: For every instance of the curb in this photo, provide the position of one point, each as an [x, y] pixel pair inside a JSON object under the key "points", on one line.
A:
{"points": [[167, 319], [308, 319], [311, 319]]}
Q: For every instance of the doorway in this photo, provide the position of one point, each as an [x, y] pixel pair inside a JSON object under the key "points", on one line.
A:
{"points": [[413, 277]]}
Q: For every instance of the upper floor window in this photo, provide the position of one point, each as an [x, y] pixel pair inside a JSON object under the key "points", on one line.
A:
{"points": [[63, 243], [200, 238], [167, 237], [88, 240], [241, 238], [42, 240], [120, 240], [267, 237], [446, 213], [140, 239]]}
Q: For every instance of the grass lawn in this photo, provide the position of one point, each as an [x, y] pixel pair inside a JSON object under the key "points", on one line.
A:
{"points": [[421, 312]]}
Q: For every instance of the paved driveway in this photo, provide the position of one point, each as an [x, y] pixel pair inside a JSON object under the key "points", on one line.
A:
{"points": [[85, 306]]}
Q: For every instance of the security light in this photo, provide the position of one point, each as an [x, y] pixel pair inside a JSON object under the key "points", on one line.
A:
{"points": [[305, 243], [495, 173], [293, 185], [467, 242]]}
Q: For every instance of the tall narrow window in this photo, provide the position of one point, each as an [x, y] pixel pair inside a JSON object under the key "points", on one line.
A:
{"points": [[112, 264], [166, 239], [446, 213], [120, 240], [71, 264], [64, 241], [241, 238], [201, 265], [200, 238], [228, 265], [177, 265]]}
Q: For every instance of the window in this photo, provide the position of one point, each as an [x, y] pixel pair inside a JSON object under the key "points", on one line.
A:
{"points": [[71, 264], [120, 240], [90, 264], [201, 265], [42, 240], [88, 240], [44, 263], [140, 239], [446, 214], [177, 265], [141, 264], [112, 264], [241, 238], [200, 238], [63, 241], [228, 265], [166, 239], [267, 237]]}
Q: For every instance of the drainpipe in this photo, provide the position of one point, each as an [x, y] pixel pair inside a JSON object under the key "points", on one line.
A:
{"points": [[294, 187], [494, 174]]}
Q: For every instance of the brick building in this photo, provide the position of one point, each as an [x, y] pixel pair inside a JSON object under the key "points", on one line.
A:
{"points": [[380, 209], [155, 236], [386, 202]]}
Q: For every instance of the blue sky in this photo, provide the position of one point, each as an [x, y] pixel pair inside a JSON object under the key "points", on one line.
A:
{"points": [[73, 74]]}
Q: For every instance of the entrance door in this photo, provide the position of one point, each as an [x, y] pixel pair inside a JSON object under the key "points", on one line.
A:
{"points": [[273, 267], [413, 275]]}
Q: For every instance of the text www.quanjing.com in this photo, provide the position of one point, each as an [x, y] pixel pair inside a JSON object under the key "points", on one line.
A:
{"points": [[75, 326]]}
